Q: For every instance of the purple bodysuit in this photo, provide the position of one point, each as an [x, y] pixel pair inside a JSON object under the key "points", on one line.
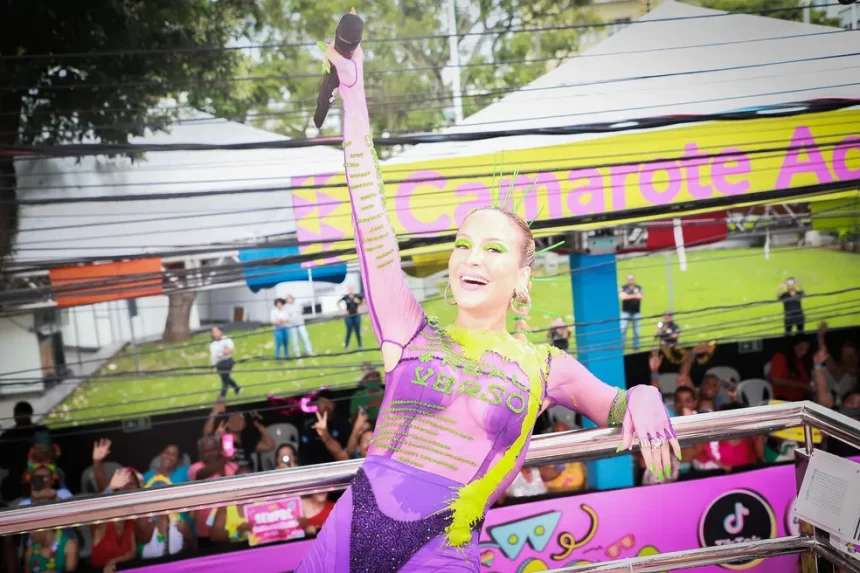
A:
{"points": [[458, 410]]}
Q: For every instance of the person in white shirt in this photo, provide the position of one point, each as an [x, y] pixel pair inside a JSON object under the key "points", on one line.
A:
{"points": [[297, 327], [221, 356], [280, 319]]}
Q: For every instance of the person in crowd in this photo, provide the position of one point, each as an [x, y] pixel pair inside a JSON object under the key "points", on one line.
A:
{"points": [[631, 308], [286, 457], [169, 470], [364, 441], [566, 477], [668, 331], [527, 483], [789, 373], [115, 542], [790, 294], [15, 443], [43, 477], [559, 334], [369, 393], [228, 524], [245, 440], [731, 454], [166, 534], [213, 463], [221, 351], [280, 319], [315, 507], [49, 550], [841, 373], [324, 436], [298, 330], [352, 304], [850, 407]]}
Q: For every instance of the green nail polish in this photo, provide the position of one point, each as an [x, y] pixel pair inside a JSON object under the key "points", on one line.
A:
{"points": [[659, 475], [679, 456], [620, 447], [322, 45], [651, 469]]}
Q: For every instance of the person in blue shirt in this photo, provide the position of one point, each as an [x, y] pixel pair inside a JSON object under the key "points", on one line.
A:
{"points": [[169, 470]]}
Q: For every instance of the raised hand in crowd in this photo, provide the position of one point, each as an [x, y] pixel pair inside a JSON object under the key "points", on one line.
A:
{"points": [[101, 450], [334, 448]]}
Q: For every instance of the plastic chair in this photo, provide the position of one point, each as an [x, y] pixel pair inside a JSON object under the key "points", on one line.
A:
{"points": [[281, 434], [184, 460], [755, 392], [725, 373], [668, 382], [88, 477]]}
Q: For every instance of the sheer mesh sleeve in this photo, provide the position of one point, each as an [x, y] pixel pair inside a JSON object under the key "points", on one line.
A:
{"points": [[395, 314], [571, 385]]}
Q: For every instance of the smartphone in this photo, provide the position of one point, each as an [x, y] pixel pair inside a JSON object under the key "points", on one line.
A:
{"points": [[227, 445]]}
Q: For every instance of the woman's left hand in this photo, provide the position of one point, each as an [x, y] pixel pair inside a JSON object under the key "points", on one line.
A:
{"points": [[648, 419]]}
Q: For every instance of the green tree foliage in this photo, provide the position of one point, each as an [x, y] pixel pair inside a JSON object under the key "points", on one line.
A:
{"points": [[406, 84], [113, 96], [793, 10]]}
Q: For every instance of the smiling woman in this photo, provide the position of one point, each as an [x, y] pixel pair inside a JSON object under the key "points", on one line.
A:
{"points": [[460, 401]]}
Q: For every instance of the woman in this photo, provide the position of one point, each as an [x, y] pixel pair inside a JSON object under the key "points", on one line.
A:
{"points": [[115, 542], [228, 524], [789, 373], [280, 319], [460, 402], [52, 550]]}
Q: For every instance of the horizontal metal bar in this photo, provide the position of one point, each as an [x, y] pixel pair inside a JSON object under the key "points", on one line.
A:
{"points": [[690, 558], [577, 445]]}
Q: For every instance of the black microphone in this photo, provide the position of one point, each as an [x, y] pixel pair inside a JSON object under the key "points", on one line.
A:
{"points": [[346, 40], [847, 2]]}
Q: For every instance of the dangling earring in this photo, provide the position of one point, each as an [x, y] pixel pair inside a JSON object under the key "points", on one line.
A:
{"points": [[521, 302], [445, 296]]}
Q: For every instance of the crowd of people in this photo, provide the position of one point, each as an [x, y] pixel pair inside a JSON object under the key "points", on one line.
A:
{"points": [[234, 443]]}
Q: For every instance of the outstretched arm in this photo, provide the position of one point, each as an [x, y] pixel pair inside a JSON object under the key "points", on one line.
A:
{"points": [[638, 411], [395, 314]]}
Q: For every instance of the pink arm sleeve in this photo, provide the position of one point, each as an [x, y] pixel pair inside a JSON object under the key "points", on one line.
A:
{"points": [[571, 385], [395, 314]]}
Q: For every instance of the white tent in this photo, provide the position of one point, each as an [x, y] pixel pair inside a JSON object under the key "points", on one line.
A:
{"points": [[106, 229], [674, 42]]}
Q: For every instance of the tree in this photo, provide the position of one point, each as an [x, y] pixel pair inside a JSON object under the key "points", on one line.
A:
{"points": [[283, 96], [113, 95], [793, 10]]}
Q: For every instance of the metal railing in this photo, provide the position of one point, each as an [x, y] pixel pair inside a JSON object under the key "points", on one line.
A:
{"points": [[567, 446]]}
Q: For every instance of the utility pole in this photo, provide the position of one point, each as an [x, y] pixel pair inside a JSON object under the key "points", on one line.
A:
{"points": [[454, 61]]}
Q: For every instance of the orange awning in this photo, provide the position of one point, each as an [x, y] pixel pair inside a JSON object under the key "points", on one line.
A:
{"points": [[90, 284]]}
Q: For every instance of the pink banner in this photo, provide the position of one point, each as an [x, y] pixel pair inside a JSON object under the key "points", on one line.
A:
{"points": [[596, 527], [606, 526], [275, 521]]}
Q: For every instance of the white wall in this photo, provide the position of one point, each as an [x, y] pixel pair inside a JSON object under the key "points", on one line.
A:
{"points": [[107, 323], [217, 305], [19, 350]]}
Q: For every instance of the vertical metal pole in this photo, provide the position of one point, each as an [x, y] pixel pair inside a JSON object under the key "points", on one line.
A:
{"points": [[77, 337], [854, 16], [807, 439], [678, 231], [96, 325], [669, 280], [133, 342], [806, 11], [454, 59], [313, 293]]}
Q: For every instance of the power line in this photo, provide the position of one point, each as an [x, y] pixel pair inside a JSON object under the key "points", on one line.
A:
{"points": [[421, 97], [563, 273], [83, 149], [39, 111], [491, 32]]}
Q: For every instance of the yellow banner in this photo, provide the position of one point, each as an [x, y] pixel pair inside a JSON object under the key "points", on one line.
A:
{"points": [[795, 434], [611, 174]]}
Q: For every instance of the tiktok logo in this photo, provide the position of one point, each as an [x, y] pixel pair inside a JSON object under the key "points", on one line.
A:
{"points": [[734, 522], [736, 516]]}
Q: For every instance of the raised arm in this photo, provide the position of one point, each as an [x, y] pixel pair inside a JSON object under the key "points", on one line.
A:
{"points": [[394, 313]]}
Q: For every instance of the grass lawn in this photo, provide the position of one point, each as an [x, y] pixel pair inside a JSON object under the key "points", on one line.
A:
{"points": [[713, 278]]}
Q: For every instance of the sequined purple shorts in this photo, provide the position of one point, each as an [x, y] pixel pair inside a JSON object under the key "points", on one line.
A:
{"points": [[392, 518]]}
